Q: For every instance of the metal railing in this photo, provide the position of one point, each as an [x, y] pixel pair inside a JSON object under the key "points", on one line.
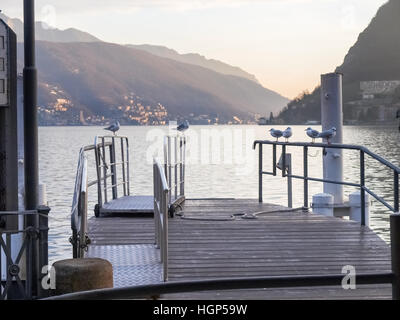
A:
{"points": [[161, 191], [106, 167], [306, 178], [161, 194], [174, 167], [104, 148], [22, 278], [79, 211]]}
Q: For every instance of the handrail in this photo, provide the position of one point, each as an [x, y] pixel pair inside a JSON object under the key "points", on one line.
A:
{"points": [[331, 146], [363, 189], [174, 148], [79, 210], [103, 167], [139, 292], [161, 195], [79, 207]]}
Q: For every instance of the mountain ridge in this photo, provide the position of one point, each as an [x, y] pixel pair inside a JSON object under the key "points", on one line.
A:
{"points": [[375, 56], [183, 90], [47, 33], [196, 59]]}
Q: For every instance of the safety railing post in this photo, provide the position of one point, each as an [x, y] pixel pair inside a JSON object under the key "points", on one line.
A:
{"points": [[169, 169], [176, 166], [396, 191], [305, 173], [123, 167], [289, 180], [260, 172], [98, 172], [128, 182], [113, 169], [274, 159], [362, 185], [283, 160], [156, 216], [165, 234], [181, 166], [395, 252]]}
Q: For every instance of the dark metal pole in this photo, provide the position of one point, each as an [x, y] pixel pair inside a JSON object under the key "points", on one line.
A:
{"points": [[260, 173], [31, 130], [395, 249], [273, 159], [283, 161], [396, 192], [362, 184]]}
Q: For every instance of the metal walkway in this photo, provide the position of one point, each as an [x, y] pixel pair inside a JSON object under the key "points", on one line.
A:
{"points": [[129, 204], [133, 265]]}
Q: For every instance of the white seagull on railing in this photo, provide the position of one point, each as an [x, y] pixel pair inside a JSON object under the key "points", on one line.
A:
{"points": [[328, 134], [113, 127], [313, 134], [183, 126], [276, 133], [287, 133]]}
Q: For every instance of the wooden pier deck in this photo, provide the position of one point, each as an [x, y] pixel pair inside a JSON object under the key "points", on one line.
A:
{"points": [[280, 242]]}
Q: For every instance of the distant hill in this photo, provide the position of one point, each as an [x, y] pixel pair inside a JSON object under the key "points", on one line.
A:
{"points": [[196, 59], [108, 80], [49, 34], [376, 54], [374, 57], [75, 35], [90, 81]]}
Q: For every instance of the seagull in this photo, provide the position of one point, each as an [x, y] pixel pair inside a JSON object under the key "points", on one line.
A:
{"points": [[328, 134], [312, 133], [183, 126], [276, 133], [287, 133], [113, 127]]}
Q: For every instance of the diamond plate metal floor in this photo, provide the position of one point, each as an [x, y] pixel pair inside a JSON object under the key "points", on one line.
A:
{"points": [[129, 204], [132, 264]]}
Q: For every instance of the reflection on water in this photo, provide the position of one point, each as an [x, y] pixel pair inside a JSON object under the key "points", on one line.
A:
{"points": [[227, 170]]}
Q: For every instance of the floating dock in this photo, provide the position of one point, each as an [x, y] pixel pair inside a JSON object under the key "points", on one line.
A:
{"points": [[214, 240]]}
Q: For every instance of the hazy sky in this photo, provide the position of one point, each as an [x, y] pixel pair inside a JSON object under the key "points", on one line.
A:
{"points": [[286, 44]]}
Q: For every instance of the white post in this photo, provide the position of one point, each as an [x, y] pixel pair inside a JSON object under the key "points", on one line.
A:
{"points": [[355, 207], [42, 195], [322, 203], [332, 116]]}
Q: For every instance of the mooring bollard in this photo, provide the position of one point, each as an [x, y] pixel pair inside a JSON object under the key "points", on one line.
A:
{"points": [[355, 207], [395, 251], [323, 204], [73, 275]]}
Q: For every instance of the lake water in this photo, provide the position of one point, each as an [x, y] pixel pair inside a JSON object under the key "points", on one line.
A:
{"points": [[221, 163]]}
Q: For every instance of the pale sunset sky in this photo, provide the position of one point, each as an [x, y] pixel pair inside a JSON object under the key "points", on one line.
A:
{"points": [[286, 44]]}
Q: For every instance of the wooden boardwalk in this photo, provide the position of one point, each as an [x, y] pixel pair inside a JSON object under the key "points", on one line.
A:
{"points": [[207, 243]]}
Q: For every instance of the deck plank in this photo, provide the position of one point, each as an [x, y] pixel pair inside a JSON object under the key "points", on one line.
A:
{"points": [[280, 242]]}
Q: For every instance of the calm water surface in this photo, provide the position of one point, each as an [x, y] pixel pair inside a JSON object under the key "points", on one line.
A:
{"points": [[227, 169]]}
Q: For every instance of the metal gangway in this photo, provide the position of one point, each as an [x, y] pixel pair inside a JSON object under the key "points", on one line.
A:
{"points": [[112, 170]]}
